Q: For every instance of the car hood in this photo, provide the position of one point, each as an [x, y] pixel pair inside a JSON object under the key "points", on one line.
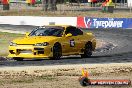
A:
{"points": [[34, 39]]}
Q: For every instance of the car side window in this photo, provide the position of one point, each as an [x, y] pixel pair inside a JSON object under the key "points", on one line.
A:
{"points": [[79, 32], [74, 31]]}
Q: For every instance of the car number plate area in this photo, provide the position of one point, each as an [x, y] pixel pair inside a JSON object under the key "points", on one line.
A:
{"points": [[25, 51]]}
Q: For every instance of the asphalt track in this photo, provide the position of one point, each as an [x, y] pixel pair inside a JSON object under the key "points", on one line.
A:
{"points": [[117, 50]]}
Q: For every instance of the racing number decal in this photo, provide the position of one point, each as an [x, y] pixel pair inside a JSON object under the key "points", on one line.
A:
{"points": [[72, 43]]}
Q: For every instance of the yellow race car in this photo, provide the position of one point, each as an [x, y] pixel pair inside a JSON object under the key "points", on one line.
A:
{"points": [[52, 42]]}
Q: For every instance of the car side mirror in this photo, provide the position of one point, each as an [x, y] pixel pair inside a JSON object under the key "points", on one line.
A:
{"points": [[89, 33], [69, 35], [27, 34]]}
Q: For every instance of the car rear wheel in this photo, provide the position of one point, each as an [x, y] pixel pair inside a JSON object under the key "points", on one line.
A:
{"points": [[18, 59], [87, 50], [57, 51]]}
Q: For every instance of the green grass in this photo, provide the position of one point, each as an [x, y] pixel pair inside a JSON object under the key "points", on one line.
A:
{"points": [[5, 39]]}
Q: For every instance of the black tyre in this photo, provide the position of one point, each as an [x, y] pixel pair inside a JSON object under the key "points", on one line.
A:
{"points": [[18, 59], [84, 81], [57, 51], [87, 50]]}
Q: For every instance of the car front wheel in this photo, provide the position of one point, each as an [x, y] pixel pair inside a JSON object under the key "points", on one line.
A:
{"points": [[57, 51]]}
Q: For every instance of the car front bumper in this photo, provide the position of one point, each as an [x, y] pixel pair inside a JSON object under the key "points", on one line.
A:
{"points": [[30, 51]]}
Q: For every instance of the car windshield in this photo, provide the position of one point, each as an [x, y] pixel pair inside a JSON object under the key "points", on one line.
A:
{"points": [[47, 32]]}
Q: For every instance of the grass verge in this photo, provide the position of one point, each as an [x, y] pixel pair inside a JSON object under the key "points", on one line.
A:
{"points": [[65, 13], [5, 39]]}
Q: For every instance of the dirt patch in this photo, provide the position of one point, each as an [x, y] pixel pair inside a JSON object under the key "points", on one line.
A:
{"points": [[3, 58], [65, 13], [61, 76]]}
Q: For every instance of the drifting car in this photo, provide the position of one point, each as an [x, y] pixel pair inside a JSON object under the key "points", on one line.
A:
{"points": [[52, 42]]}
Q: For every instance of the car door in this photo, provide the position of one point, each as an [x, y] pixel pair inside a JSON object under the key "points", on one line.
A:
{"points": [[79, 39], [70, 42]]}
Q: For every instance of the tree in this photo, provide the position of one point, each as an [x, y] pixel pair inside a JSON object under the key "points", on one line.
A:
{"points": [[49, 5]]}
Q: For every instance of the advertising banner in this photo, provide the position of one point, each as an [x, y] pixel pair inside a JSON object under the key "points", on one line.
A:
{"points": [[87, 22]]}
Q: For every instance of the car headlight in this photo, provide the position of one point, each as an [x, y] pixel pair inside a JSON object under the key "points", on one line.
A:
{"points": [[12, 44], [42, 44]]}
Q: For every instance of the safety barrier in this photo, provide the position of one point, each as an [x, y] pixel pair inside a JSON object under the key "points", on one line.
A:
{"points": [[87, 22], [37, 21], [84, 22]]}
